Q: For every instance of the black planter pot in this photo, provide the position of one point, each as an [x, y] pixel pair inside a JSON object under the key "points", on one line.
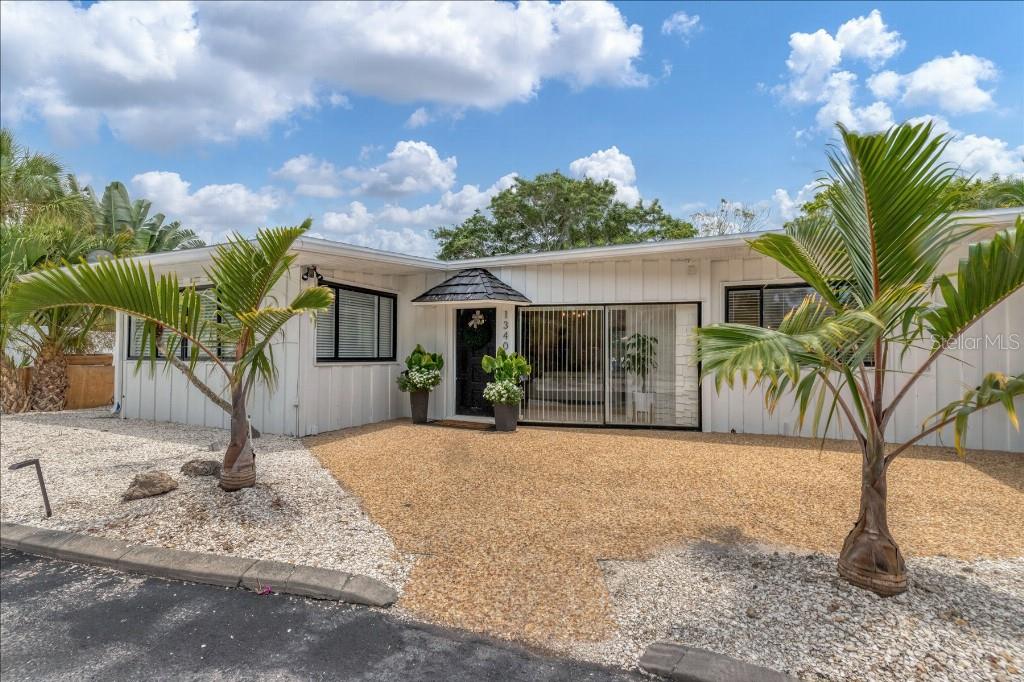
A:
{"points": [[419, 400], [506, 417]]}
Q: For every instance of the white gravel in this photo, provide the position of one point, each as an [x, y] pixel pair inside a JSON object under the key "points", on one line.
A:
{"points": [[297, 512], [787, 611], [791, 612]]}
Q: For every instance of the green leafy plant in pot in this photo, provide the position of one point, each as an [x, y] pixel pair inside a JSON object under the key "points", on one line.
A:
{"points": [[421, 375], [505, 392], [640, 357]]}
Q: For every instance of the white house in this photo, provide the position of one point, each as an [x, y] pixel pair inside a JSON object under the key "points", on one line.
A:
{"points": [[572, 314]]}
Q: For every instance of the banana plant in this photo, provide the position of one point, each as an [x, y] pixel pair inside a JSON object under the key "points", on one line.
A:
{"points": [[243, 273], [873, 261]]}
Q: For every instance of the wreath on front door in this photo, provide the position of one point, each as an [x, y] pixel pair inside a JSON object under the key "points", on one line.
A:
{"points": [[474, 334]]}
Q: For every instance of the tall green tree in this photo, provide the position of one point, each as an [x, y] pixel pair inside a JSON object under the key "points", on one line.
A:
{"points": [[553, 211], [247, 319], [872, 258]]}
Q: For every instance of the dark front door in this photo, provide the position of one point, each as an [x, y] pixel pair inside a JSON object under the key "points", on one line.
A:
{"points": [[474, 338]]}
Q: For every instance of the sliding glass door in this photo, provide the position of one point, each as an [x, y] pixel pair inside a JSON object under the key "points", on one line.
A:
{"points": [[630, 365], [652, 366], [565, 347]]}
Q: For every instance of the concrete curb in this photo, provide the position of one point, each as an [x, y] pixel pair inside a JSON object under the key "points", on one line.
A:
{"points": [[688, 664], [213, 569]]}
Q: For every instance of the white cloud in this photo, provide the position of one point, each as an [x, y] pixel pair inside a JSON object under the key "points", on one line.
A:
{"points": [[336, 99], [224, 70], [312, 177], [812, 57], [397, 228], [610, 164], [978, 154], [952, 83], [682, 25], [411, 168], [418, 118], [404, 240], [788, 207], [838, 107], [885, 84], [867, 38], [212, 209]]}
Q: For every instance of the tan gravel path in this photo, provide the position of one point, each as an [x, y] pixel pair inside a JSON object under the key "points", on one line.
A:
{"points": [[510, 526]]}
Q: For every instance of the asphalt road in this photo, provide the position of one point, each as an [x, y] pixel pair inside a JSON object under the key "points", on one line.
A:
{"points": [[62, 621]]}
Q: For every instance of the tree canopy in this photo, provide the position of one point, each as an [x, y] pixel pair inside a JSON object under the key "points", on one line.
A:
{"points": [[964, 193], [553, 212]]}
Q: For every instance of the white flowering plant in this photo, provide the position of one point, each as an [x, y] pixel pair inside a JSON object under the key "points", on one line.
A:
{"points": [[503, 392], [412, 380], [422, 371]]}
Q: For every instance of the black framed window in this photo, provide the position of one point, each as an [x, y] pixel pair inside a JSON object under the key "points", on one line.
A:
{"points": [[211, 338], [763, 305], [767, 305], [359, 327]]}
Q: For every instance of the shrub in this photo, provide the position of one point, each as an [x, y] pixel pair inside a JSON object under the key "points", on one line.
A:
{"points": [[422, 371]]}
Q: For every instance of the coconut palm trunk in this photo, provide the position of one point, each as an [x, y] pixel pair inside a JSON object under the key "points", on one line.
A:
{"points": [[873, 261], [870, 556], [239, 468]]}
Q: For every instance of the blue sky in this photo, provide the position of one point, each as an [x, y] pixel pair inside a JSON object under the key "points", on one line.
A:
{"points": [[383, 121]]}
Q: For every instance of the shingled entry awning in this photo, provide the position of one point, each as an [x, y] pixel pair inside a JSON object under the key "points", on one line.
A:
{"points": [[474, 284]]}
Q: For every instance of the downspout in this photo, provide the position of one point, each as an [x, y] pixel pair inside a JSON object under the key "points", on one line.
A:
{"points": [[119, 354]]}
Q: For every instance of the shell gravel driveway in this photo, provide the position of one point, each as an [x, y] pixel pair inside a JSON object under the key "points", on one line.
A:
{"points": [[510, 527]]}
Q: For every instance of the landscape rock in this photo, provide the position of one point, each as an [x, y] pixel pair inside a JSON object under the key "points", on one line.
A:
{"points": [[201, 467], [149, 484]]}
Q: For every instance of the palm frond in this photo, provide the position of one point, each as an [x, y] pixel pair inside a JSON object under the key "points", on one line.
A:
{"points": [[995, 389], [812, 249], [245, 271], [890, 206], [991, 272], [119, 285]]}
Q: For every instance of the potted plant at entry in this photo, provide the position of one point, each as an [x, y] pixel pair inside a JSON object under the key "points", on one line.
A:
{"points": [[505, 392], [421, 374], [640, 358]]}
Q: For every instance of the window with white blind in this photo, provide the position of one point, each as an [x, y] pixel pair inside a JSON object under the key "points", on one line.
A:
{"points": [[763, 306], [210, 337], [359, 327], [768, 305]]}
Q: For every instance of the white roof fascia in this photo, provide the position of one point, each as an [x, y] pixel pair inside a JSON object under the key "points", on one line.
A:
{"points": [[998, 218]]}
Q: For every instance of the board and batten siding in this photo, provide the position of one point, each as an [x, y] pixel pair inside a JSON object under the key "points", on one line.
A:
{"points": [[162, 393], [314, 397], [703, 278], [337, 395]]}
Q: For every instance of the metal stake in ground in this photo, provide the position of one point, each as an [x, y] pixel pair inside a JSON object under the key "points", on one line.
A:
{"points": [[39, 474]]}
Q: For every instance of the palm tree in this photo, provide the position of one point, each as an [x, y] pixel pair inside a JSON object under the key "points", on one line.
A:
{"points": [[242, 275], [155, 236], [117, 215], [20, 250], [43, 214], [35, 188], [872, 260]]}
